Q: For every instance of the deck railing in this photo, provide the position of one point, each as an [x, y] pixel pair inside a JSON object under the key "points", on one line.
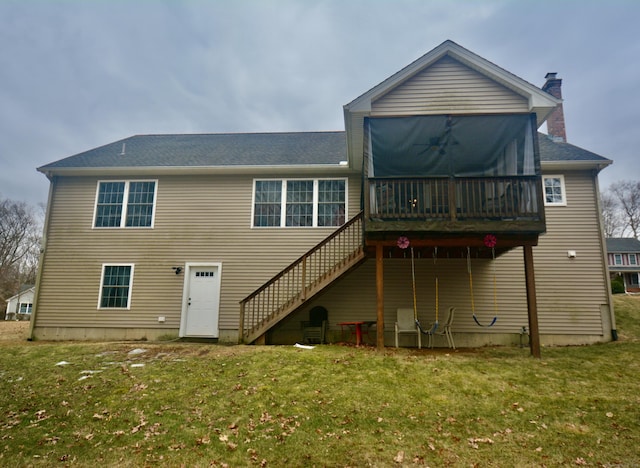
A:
{"points": [[461, 198], [299, 281]]}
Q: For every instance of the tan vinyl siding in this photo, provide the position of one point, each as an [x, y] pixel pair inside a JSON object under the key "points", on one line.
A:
{"points": [[207, 219], [445, 87], [570, 290], [345, 305], [198, 219]]}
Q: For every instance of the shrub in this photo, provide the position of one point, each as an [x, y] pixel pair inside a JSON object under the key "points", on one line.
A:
{"points": [[617, 285]]}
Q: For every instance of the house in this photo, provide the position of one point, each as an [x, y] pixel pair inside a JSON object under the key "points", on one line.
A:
{"points": [[623, 256], [439, 175], [20, 306]]}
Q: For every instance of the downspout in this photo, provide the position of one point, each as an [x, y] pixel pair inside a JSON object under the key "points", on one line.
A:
{"points": [[43, 251], [605, 261]]}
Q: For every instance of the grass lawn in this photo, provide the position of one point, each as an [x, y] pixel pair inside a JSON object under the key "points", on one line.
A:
{"points": [[176, 404]]}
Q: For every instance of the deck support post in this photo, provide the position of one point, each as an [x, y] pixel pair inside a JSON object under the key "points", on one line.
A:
{"points": [[532, 306], [379, 297]]}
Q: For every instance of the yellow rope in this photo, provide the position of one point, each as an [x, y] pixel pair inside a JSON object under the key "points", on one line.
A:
{"points": [[495, 288], [435, 259], [413, 282], [473, 308], [437, 300]]}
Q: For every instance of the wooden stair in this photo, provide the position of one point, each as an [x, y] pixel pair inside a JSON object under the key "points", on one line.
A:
{"points": [[303, 279]]}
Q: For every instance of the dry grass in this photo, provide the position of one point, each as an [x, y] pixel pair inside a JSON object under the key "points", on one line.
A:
{"points": [[176, 404], [13, 332]]}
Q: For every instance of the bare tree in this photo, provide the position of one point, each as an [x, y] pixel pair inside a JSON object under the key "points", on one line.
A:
{"points": [[611, 216], [627, 196], [19, 245]]}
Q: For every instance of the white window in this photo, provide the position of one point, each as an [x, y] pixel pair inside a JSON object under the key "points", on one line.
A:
{"points": [[25, 308], [125, 204], [299, 203], [554, 191], [633, 259], [115, 286], [617, 259]]}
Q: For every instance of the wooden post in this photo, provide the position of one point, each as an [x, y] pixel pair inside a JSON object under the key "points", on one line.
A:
{"points": [[379, 297], [452, 199], [532, 305], [303, 286], [241, 324]]}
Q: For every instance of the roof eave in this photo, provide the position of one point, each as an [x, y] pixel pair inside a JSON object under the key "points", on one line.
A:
{"points": [[192, 170], [575, 165]]}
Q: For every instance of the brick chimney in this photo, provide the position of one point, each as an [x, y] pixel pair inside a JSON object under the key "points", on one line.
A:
{"points": [[555, 122]]}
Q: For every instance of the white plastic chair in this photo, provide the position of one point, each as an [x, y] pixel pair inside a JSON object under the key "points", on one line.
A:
{"points": [[406, 324], [445, 330]]}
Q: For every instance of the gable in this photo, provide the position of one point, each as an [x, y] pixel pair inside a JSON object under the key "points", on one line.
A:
{"points": [[449, 87]]}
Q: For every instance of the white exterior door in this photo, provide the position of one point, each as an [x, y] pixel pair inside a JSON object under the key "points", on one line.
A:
{"points": [[201, 301]]}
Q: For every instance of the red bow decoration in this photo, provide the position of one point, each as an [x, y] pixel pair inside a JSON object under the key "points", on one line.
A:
{"points": [[490, 241], [403, 242]]}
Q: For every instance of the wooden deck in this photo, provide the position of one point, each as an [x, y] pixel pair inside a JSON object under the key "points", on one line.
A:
{"points": [[455, 205]]}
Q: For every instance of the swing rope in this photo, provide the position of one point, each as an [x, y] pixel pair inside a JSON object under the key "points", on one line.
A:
{"points": [[415, 301], [495, 293]]}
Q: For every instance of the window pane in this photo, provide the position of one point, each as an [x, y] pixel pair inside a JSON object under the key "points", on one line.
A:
{"points": [[115, 286], [109, 208], [299, 203], [140, 204], [553, 190], [268, 197], [633, 260], [331, 202]]}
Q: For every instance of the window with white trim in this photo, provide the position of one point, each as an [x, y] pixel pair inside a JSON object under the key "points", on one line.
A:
{"points": [[125, 203], [554, 190], [617, 259], [25, 308], [299, 203], [115, 286], [633, 259]]}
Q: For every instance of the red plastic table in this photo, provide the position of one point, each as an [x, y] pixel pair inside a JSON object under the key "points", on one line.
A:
{"points": [[358, 328]]}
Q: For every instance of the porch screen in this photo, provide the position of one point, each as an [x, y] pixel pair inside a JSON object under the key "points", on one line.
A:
{"points": [[446, 145]]}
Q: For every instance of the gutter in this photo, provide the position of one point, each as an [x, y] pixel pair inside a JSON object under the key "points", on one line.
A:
{"points": [[605, 261], [194, 170], [43, 250], [576, 165]]}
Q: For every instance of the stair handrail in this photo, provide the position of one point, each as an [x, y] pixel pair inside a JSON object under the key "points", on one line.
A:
{"points": [[358, 218]]}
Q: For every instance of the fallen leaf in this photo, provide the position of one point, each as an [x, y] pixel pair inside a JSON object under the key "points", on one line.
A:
{"points": [[399, 458]]}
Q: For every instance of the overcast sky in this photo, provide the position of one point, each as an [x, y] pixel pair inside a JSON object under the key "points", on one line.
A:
{"points": [[75, 75]]}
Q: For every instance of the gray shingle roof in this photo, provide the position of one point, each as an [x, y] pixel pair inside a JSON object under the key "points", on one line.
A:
{"points": [[560, 151], [251, 149], [623, 245], [213, 150]]}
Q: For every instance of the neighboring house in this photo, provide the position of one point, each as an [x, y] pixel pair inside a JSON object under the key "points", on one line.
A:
{"points": [[20, 306], [624, 260], [238, 236]]}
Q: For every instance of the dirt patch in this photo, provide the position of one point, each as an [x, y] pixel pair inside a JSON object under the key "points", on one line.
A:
{"points": [[12, 331]]}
